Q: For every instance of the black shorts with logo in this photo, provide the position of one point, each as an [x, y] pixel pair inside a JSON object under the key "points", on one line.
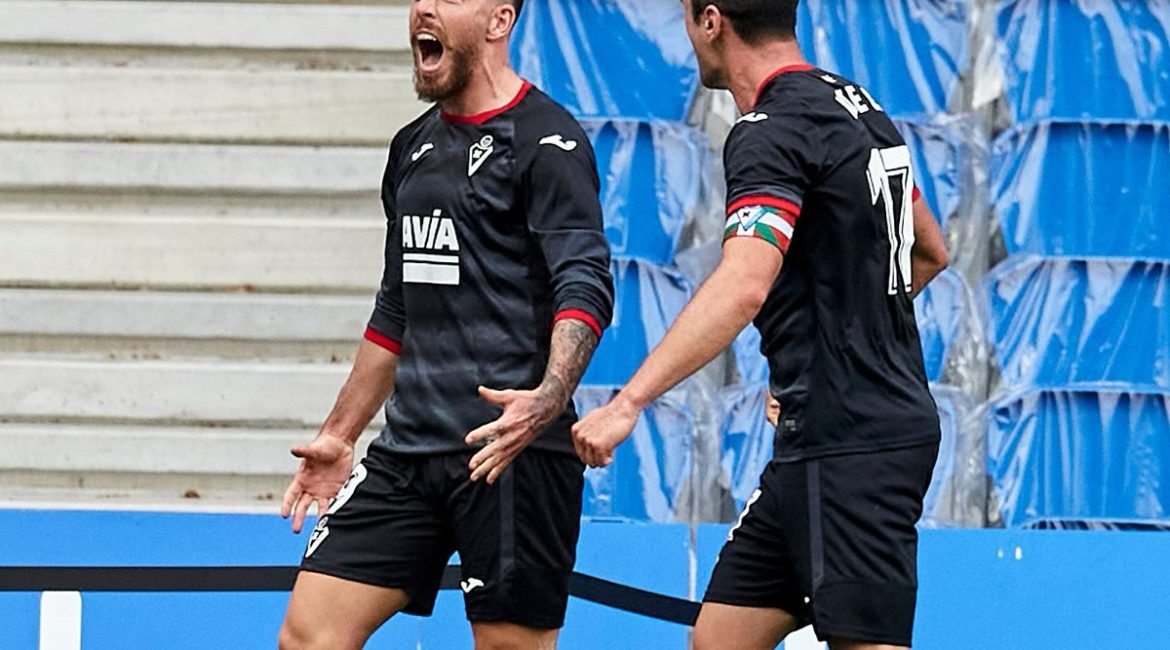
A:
{"points": [[400, 517], [832, 541]]}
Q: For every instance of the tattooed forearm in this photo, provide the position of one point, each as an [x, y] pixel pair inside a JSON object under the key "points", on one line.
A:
{"points": [[573, 343]]}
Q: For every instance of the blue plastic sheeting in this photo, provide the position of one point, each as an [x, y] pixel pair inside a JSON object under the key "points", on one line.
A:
{"points": [[954, 494], [942, 310], [907, 53], [1091, 452], [648, 299], [750, 363], [1056, 322], [609, 58], [1104, 59], [958, 489], [651, 178], [748, 438], [935, 505], [1085, 189], [649, 470], [938, 154]]}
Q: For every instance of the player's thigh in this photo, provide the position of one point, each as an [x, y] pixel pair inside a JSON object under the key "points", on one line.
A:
{"points": [[510, 636], [326, 612], [745, 628], [517, 540]]}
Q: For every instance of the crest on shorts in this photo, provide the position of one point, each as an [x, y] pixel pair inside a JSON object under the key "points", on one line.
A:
{"points": [[318, 536], [480, 151]]}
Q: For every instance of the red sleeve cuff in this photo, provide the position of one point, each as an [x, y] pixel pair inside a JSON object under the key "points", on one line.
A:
{"points": [[381, 340], [917, 193], [579, 315]]}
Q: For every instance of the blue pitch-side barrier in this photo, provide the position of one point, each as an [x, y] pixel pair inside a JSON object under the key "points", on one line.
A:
{"points": [[980, 588]]}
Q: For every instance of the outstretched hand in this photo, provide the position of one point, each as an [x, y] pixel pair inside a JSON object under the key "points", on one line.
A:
{"points": [[325, 465], [526, 414]]}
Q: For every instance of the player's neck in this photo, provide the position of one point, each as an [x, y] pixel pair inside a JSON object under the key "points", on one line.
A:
{"points": [[751, 65], [493, 85]]}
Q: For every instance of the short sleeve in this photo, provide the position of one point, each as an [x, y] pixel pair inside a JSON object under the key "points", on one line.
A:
{"points": [[770, 162]]}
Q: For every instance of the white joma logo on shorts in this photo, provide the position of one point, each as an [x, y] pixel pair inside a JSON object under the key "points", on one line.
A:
{"points": [[471, 584]]}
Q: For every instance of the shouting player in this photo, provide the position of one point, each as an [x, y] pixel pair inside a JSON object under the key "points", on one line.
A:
{"points": [[826, 243], [495, 293]]}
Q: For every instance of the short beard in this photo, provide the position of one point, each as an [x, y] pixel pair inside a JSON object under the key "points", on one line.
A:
{"points": [[452, 84]]}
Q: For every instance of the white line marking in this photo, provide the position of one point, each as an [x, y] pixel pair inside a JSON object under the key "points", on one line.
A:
{"points": [[425, 257], [60, 620], [419, 273]]}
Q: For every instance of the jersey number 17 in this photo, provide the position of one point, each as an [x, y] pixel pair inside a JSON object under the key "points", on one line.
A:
{"points": [[891, 186]]}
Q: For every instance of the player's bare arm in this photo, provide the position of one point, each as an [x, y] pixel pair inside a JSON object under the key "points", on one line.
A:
{"points": [[929, 255], [722, 307], [528, 412], [326, 461]]}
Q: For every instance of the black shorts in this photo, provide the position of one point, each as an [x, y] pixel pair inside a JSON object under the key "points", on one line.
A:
{"points": [[399, 518], [832, 541]]}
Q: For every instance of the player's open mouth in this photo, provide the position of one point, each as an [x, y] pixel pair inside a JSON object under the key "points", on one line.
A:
{"points": [[428, 50]]}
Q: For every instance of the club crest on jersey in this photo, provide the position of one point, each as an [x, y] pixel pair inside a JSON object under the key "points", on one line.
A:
{"points": [[480, 151], [434, 250]]}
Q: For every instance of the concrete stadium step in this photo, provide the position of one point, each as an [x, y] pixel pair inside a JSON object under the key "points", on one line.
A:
{"points": [[184, 215], [207, 169], [271, 106], [213, 72], [66, 462], [163, 325], [207, 25], [183, 315], [85, 249], [125, 463], [264, 394], [152, 450]]}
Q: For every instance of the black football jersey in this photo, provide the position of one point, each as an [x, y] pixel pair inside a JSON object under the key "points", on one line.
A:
{"points": [[818, 169], [494, 233]]}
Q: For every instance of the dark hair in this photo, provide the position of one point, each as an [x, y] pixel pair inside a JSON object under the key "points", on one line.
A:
{"points": [[754, 20]]}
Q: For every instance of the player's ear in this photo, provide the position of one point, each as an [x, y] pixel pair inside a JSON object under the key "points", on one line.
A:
{"points": [[712, 22], [502, 21]]}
